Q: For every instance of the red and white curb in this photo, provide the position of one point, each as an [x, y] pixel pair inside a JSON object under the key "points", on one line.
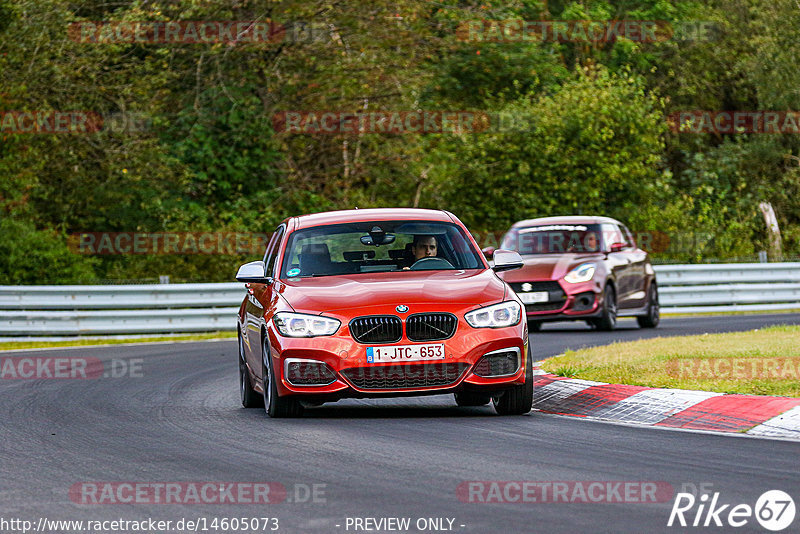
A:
{"points": [[757, 415]]}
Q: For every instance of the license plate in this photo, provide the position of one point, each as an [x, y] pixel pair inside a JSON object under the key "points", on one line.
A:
{"points": [[536, 296], [405, 353]]}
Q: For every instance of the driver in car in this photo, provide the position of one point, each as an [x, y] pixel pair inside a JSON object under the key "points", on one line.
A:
{"points": [[591, 242], [424, 246]]}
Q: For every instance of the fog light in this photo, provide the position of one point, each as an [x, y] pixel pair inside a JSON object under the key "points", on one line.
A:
{"points": [[583, 301]]}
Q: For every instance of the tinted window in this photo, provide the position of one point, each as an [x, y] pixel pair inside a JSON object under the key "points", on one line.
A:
{"points": [[628, 236], [272, 250], [612, 234], [382, 246], [554, 239]]}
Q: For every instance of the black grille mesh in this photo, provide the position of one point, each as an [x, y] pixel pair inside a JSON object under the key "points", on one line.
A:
{"points": [[309, 373], [543, 285], [545, 306], [408, 376], [499, 364], [557, 299], [430, 326], [376, 329]]}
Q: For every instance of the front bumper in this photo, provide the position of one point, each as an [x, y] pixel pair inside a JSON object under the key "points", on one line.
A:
{"points": [[566, 301], [355, 377]]}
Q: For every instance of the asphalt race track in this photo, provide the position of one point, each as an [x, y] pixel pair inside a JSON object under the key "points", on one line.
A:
{"points": [[179, 420]]}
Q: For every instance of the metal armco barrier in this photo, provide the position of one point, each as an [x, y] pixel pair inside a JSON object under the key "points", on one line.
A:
{"points": [[728, 287], [129, 309], [174, 308]]}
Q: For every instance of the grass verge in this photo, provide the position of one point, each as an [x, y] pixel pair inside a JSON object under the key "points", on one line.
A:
{"points": [[666, 313], [758, 362], [16, 345]]}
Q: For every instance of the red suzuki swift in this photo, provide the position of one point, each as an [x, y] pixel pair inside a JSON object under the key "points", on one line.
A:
{"points": [[380, 303], [581, 268]]}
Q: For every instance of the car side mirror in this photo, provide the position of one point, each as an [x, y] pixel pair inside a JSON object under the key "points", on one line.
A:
{"points": [[488, 252], [506, 260], [254, 273], [617, 247]]}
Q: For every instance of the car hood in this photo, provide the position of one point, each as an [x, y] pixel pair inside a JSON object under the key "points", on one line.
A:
{"points": [[440, 289], [548, 266]]}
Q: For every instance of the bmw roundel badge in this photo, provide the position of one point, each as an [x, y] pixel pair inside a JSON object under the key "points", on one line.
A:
{"points": [[402, 308]]}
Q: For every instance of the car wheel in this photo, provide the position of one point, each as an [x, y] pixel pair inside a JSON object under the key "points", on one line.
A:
{"points": [[653, 310], [250, 397], [471, 399], [608, 320], [534, 326], [519, 399], [275, 405]]}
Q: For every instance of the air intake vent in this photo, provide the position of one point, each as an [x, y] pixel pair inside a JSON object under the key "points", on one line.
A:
{"points": [[430, 326], [410, 376], [498, 363], [376, 329]]}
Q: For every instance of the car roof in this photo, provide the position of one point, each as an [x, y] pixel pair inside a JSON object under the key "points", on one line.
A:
{"points": [[569, 219], [373, 214]]}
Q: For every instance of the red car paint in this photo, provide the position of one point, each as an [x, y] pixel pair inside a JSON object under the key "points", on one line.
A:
{"points": [[352, 295]]}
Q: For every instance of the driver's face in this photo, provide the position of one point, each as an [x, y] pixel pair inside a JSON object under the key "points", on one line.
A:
{"points": [[591, 242], [425, 248]]}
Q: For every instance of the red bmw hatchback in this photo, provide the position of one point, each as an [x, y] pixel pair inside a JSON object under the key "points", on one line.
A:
{"points": [[380, 303]]}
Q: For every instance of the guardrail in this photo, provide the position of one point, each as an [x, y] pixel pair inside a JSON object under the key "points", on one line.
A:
{"points": [[728, 287], [167, 308], [131, 309]]}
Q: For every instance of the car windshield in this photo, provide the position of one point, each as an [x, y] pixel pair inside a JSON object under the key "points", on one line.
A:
{"points": [[554, 239], [381, 246]]}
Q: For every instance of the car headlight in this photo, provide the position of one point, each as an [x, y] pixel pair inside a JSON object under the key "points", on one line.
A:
{"points": [[581, 273], [495, 316], [302, 325]]}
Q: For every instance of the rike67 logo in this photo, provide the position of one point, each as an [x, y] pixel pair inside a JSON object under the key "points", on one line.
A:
{"points": [[774, 510]]}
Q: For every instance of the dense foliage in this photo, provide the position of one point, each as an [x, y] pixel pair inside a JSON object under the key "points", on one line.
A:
{"points": [[188, 142]]}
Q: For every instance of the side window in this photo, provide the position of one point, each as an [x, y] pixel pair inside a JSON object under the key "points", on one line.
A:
{"points": [[628, 236], [611, 235], [272, 250], [270, 244]]}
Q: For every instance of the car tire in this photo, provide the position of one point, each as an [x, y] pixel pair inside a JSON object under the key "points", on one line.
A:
{"points": [[274, 405], [653, 316], [534, 326], [608, 318], [519, 399], [466, 398], [250, 397]]}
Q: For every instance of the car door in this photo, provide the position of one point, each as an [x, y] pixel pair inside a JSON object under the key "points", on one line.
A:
{"points": [[637, 277], [259, 297]]}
